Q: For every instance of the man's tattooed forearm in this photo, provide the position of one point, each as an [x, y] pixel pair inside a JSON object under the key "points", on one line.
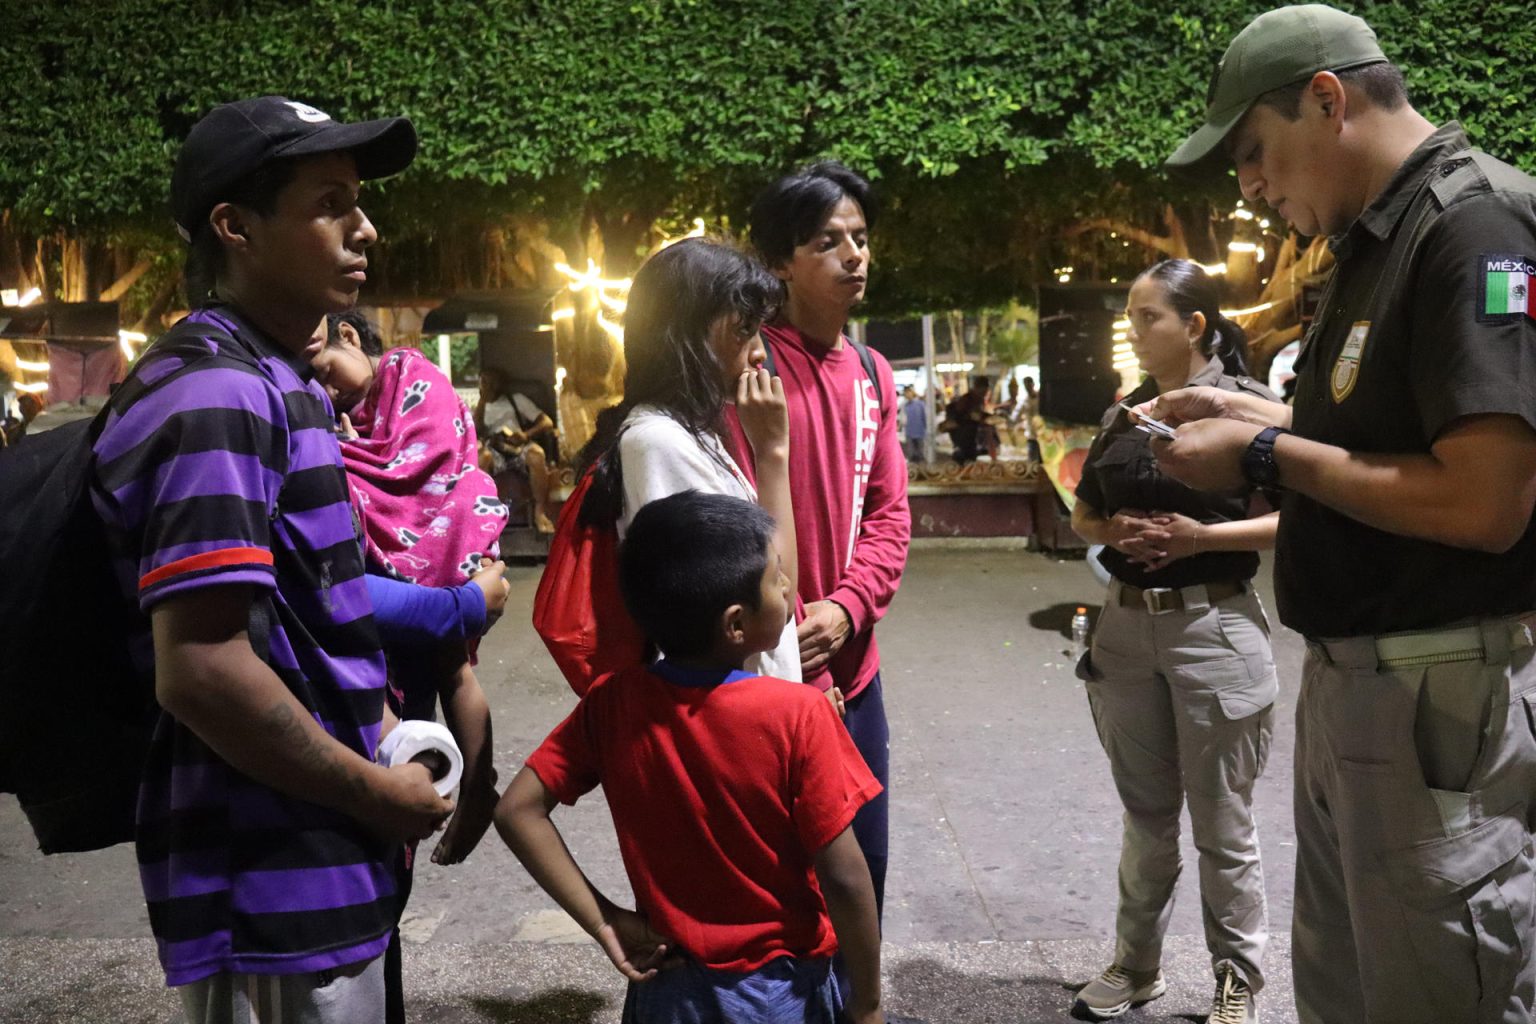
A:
{"points": [[290, 733]]}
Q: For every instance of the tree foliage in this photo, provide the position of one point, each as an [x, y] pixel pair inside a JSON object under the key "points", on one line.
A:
{"points": [[991, 126]]}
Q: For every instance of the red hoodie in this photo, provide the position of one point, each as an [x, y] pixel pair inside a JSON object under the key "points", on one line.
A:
{"points": [[848, 485]]}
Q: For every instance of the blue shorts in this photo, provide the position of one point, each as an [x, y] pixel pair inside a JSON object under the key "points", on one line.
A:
{"points": [[783, 991]]}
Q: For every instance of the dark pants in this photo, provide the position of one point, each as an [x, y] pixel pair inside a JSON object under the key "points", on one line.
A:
{"points": [[871, 734], [967, 441], [394, 982], [420, 665]]}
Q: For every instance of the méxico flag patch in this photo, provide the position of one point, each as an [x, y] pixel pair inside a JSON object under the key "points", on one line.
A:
{"points": [[1504, 283]]}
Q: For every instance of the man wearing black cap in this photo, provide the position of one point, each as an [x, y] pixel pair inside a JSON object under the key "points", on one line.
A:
{"points": [[1407, 552], [265, 829]]}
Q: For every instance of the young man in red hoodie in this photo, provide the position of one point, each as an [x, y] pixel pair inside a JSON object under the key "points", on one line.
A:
{"points": [[848, 477]]}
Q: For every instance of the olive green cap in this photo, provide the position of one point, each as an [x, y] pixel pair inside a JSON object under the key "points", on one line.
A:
{"points": [[1279, 47]]}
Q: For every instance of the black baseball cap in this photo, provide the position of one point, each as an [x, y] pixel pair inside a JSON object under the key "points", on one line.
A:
{"points": [[235, 139]]}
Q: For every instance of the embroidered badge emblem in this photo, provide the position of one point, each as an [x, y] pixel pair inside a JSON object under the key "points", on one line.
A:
{"points": [[1504, 287], [1346, 371]]}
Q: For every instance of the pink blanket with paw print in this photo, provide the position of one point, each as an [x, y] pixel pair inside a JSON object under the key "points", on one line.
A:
{"points": [[427, 509]]}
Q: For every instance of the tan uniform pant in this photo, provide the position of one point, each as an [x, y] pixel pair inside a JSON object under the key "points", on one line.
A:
{"points": [[1182, 703], [1415, 779]]}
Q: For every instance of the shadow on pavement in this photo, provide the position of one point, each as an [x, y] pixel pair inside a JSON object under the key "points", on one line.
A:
{"points": [[1057, 618], [932, 992], [556, 1006]]}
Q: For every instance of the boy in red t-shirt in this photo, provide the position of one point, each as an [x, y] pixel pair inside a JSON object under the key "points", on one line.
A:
{"points": [[732, 795]]}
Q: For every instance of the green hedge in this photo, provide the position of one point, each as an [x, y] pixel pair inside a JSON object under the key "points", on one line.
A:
{"points": [[990, 122]]}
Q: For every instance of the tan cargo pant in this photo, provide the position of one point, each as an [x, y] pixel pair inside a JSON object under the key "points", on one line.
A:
{"points": [[1415, 778], [1182, 703]]}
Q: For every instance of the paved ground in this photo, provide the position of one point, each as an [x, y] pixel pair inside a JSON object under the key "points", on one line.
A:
{"points": [[1005, 834]]}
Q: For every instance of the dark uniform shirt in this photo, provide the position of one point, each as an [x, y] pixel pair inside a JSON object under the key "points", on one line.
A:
{"points": [[1418, 327], [1122, 473]]}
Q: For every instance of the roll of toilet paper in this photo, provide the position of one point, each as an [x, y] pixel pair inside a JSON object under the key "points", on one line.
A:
{"points": [[412, 737]]}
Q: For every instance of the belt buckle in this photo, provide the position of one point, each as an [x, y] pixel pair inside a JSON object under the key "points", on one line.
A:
{"points": [[1161, 600]]}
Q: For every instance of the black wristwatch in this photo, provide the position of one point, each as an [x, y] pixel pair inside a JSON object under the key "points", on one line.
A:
{"points": [[1259, 467]]}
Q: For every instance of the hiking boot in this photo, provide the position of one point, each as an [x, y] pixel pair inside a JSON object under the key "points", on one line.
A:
{"points": [[1117, 990], [1234, 999]]}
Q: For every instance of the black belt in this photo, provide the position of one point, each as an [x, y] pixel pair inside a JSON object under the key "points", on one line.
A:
{"points": [[1161, 600]]}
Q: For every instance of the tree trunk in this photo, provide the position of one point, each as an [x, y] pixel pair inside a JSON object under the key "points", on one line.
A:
{"points": [[984, 341], [1271, 329], [1171, 245], [74, 268], [40, 261], [15, 266], [126, 279], [150, 323], [1178, 241]]}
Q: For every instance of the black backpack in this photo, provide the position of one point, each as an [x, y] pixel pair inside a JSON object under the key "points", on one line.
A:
{"points": [[75, 717]]}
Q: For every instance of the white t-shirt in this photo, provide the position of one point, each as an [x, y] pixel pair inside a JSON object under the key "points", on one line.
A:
{"points": [[518, 412], [660, 457], [1028, 409]]}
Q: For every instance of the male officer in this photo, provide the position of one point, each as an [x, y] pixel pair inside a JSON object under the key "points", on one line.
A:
{"points": [[1406, 553]]}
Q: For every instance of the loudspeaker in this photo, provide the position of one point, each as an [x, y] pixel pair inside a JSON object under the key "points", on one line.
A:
{"points": [[895, 339], [1078, 380], [95, 320], [1077, 401]]}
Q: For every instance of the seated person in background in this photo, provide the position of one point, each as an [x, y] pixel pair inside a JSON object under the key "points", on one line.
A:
{"points": [[15, 421], [732, 794], [965, 418], [516, 436]]}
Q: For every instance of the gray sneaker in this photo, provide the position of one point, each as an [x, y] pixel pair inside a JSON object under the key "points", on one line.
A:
{"points": [[1234, 1002], [1117, 990]]}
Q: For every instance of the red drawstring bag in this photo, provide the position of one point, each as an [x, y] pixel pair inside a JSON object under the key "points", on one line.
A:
{"points": [[578, 610]]}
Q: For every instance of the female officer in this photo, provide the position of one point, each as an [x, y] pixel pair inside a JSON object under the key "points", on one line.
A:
{"points": [[1180, 676]]}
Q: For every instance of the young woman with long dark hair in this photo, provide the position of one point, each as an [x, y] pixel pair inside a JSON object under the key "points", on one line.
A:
{"points": [[691, 344]]}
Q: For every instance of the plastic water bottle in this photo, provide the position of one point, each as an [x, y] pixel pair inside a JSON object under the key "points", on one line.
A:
{"points": [[1079, 632]]}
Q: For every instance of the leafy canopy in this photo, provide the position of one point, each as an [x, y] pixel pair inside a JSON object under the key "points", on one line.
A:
{"points": [[990, 123]]}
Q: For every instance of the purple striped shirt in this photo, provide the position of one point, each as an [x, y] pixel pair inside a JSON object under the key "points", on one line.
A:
{"points": [[225, 471]]}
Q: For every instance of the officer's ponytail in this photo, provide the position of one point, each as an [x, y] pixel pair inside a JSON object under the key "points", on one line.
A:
{"points": [[1229, 343], [1190, 290]]}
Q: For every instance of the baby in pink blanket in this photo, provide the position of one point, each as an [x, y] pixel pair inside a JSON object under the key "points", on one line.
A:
{"points": [[429, 514]]}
